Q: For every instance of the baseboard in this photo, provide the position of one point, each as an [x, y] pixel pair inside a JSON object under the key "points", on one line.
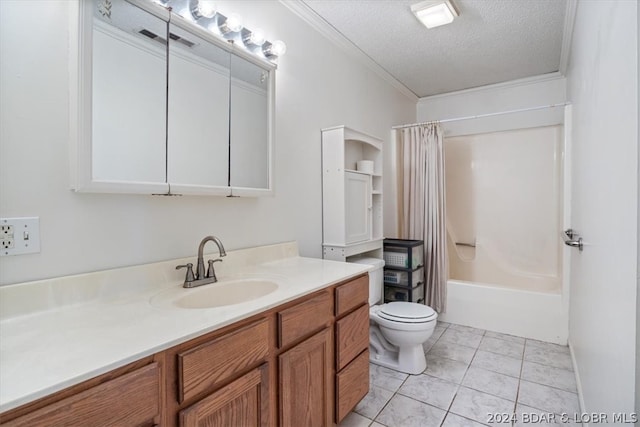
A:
{"points": [[583, 410]]}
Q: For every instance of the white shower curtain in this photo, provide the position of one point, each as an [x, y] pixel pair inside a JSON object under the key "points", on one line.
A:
{"points": [[421, 202]]}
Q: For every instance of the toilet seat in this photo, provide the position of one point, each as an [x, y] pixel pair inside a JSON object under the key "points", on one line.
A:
{"points": [[406, 312]]}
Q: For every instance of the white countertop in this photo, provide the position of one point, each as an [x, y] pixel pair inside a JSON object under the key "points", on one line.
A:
{"points": [[57, 333]]}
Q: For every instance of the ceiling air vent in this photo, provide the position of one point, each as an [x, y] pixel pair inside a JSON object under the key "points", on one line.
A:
{"points": [[181, 40], [152, 36]]}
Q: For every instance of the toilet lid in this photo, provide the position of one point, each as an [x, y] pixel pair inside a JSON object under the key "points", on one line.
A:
{"points": [[408, 312]]}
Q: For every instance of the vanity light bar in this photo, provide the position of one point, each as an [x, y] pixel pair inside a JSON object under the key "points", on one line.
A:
{"points": [[206, 15]]}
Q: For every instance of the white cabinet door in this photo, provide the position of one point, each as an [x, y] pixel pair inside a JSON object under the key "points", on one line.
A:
{"points": [[357, 207]]}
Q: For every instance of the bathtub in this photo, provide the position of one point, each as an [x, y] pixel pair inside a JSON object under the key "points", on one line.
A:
{"points": [[497, 297], [525, 313]]}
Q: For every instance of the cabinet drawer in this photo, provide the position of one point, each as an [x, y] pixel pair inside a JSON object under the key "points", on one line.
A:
{"points": [[304, 318], [352, 294], [352, 384], [210, 364], [352, 336], [132, 400]]}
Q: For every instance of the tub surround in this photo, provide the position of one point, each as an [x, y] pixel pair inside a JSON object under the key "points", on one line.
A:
{"points": [[60, 332]]}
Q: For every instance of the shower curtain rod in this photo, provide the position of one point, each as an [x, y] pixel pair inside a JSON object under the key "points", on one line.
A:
{"points": [[483, 115]]}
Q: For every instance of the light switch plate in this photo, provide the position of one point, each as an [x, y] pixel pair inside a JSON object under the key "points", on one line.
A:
{"points": [[19, 236]]}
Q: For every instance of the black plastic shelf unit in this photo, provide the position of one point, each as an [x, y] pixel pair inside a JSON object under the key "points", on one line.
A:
{"points": [[403, 271]]}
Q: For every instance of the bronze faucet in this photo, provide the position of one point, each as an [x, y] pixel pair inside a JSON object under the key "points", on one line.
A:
{"points": [[200, 278]]}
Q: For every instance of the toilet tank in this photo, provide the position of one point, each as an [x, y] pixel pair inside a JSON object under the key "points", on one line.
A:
{"points": [[376, 277]]}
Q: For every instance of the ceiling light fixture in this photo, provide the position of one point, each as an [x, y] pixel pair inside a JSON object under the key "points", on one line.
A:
{"points": [[434, 13]]}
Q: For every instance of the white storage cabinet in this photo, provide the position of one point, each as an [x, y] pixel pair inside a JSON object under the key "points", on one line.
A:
{"points": [[351, 199]]}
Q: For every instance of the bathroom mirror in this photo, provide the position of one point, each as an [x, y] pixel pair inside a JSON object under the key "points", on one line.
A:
{"points": [[127, 89], [198, 112], [162, 105], [250, 142]]}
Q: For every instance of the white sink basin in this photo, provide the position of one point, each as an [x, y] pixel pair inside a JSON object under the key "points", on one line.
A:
{"points": [[224, 293]]}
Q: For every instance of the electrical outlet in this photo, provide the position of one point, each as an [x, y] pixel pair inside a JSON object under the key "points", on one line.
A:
{"points": [[19, 235], [7, 243], [6, 230]]}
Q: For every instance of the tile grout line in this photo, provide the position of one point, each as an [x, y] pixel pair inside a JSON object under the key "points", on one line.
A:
{"points": [[446, 412], [541, 364], [458, 388], [515, 406], [461, 380], [390, 399]]}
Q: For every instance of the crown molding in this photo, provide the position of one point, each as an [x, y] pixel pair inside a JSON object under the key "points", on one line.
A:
{"points": [[498, 86], [567, 34], [299, 8]]}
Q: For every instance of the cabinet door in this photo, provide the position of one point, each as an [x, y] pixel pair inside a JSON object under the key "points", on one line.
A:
{"points": [[306, 384], [358, 207], [244, 402]]}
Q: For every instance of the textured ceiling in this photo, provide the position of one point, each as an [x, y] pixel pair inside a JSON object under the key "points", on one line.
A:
{"points": [[492, 41]]}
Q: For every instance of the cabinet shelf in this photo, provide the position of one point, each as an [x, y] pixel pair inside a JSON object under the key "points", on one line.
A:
{"points": [[403, 253], [400, 293], [402, 268], [357, 171]]}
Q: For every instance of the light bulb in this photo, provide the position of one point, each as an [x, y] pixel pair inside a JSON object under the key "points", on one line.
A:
{"points": [[278, 48], [257, 37], [206, 8], [186, 13], [233, 23]]}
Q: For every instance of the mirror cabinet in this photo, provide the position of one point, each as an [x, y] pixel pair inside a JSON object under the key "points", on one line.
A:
{"points": [[160, 105]]}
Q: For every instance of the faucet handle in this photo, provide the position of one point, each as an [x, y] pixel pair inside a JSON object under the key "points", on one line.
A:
{"points": [[189, 277], [210, 271]]}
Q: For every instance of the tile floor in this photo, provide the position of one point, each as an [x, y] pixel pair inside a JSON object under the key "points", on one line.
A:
{"points": [[472, 373]]}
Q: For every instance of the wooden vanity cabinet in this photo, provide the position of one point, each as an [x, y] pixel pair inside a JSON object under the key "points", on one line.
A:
{"points": [[304, 363], [352, 345]]}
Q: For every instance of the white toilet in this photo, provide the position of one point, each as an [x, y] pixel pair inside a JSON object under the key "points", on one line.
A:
{"points": [[397, 330]]}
